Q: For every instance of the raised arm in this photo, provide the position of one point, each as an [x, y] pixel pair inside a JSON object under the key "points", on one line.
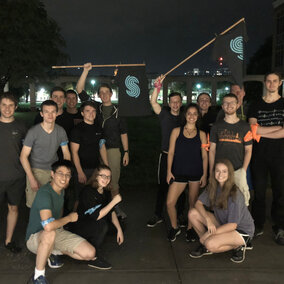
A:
{"points": [[82, 80], [154, 97]]}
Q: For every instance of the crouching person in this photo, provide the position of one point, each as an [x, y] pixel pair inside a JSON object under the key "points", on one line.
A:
{"points": [[45, 234], [229, 226]]}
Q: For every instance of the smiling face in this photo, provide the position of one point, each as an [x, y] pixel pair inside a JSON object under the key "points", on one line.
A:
{"points": [[60, 178], [175, 104], [191, 115], [103, 178], [7, 109], [71, 100], [204, 102], [221, 173], [89, 114], [230, 105], [105, 95]]}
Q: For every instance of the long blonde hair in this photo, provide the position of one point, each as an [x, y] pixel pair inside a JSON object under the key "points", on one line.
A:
{"points": [[229, 188]]}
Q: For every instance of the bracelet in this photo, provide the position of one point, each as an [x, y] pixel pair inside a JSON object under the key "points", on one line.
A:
{"points": [[45, 222], [126, 151]]}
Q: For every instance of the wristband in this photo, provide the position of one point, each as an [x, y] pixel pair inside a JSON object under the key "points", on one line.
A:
{"points": [[101, 143], [158, 86], [45, 222], [255, 136], [126, 151]]}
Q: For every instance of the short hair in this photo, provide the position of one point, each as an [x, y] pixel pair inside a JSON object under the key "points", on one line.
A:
{"points": [[230, 95], [9, 96], [88, 103], [203, 94], [48, 103], [59, 89], [71, 92], [273, 72], [173, 94], [62, 163], [104, 85]]}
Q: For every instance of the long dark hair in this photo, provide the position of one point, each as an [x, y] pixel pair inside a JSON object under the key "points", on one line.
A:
{"points": [[93, 182], [191, 105], [229, 188]]}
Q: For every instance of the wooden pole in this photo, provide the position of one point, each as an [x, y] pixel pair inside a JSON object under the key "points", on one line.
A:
{"points": [[205, 45], [98, 66]]}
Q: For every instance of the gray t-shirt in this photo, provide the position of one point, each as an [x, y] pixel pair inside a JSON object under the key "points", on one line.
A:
{"points": [[44, 145], [236, 212]]}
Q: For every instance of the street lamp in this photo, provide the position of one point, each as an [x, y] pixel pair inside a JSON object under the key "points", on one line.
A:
{"points": [[93, 82], [198, 86]]}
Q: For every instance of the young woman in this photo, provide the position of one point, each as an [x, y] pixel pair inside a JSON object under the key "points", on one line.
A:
{"points": [[96, 208], [230, 226], [187, 164]]}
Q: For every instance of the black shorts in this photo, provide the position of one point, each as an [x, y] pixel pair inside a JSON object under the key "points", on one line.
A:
{"points": [[186, 179], [13, 190]]}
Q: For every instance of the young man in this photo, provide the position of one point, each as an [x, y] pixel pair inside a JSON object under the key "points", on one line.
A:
{"points": [[45, 234], [87, 145], [58, 95], [170, 118], [114, 130], [242, 107], [267, 116], [231, 139], [40, 147], [208, 117], [71, 107], [12, 175]]}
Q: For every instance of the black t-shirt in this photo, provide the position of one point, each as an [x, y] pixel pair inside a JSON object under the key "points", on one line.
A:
{"points": [[269, 114], [89, 198], [77, 117], [88, 136], [168, 122], [231, 140], [12, 135], [207, 121]]}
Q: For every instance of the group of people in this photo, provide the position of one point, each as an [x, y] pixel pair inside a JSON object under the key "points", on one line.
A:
{"points": [[229, 151], [69, 161], [39, 161]]}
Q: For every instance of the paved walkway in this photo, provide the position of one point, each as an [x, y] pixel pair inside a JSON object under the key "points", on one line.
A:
{"points": [[147, 256]]}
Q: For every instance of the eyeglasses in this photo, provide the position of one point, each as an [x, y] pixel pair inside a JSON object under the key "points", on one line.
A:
{"points": [[105, 177], [62, 175]]}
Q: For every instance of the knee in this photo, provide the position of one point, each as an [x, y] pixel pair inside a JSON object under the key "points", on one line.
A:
{"points": [[171, 203], [48, 237], [192, 214], [90, 253], [13, 209], [211, 245]]}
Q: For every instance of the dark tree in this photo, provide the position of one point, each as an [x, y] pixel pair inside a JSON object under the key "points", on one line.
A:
{"points": [[261, 61], [30, 42]]}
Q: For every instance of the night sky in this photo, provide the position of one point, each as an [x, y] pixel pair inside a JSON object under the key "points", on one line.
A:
{"points": [[160, 33]]}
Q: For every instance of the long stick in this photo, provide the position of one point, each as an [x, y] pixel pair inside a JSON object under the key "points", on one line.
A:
{"points": [[107, 65], [205, 45]]}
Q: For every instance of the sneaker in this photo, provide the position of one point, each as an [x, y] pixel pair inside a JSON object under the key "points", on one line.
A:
{"points": [[173, 233], [154, 221], [12, 247], [40, 280], [279, 237], [258, 231], [199, 252], [191, 235], [182, 222], [239, 254], [249, 245], [54, 261], [99, 263]]}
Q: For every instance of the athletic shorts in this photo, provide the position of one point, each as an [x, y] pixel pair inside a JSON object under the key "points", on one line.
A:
{"points": [[186, 179], [65, 241], [13, 190]]}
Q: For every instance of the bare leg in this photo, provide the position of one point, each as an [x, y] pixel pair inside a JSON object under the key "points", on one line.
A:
{"points": [[45, 246], [223, 242], [193, 188], [12, 218], [175, 190], [84, 251]]}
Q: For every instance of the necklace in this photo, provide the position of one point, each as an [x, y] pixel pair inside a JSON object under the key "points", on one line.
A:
{"points": [[188, 131]]}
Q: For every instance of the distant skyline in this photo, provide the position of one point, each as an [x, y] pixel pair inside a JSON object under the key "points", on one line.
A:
{"points": [[160, 33]]}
